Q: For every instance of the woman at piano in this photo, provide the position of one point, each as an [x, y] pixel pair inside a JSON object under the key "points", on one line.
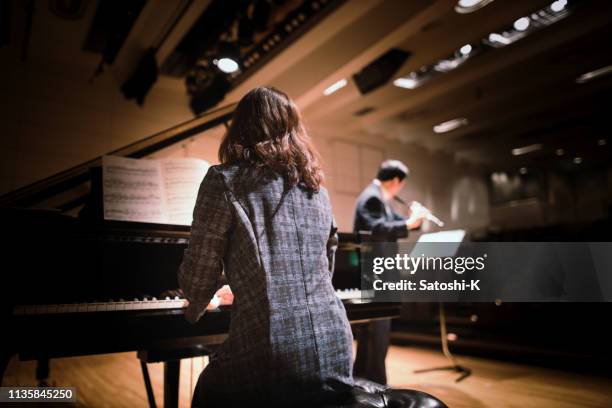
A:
{"points": [[263, 218]]}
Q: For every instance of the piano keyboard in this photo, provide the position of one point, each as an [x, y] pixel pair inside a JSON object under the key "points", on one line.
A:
{"points": [[110, 306], [136, 304], [349, 294]]}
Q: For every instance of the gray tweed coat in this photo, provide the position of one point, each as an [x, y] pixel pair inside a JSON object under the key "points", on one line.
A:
{"points": [[289, 339]]}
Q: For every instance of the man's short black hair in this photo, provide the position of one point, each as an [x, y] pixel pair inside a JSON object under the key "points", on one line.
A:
{"points": [[389, 169]]}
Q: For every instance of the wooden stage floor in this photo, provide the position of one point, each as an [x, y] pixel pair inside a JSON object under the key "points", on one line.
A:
{"points": [[115, 380]]}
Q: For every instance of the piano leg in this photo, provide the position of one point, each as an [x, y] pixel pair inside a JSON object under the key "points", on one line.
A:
{"points": [[42, 372], [148, 386], [4, 360], [172, 371]]}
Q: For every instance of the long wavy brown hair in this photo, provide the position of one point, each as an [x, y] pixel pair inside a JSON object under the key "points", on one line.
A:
{"points": [[267, 133]]}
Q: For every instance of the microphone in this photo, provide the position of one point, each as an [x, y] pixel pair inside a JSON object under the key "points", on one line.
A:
{"points": [[416, 206]]}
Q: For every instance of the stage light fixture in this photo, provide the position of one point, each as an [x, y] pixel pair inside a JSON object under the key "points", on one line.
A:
{"points": [[522, 24], [469, 6], [499, 39], [450, 125], [518, 151], [226, 65], [229, 55], [589, 76], [465, 50], [521, 28], [447, 65], [558, 5], [578, 160], [408, 82], [602, 142], [206, 87]]}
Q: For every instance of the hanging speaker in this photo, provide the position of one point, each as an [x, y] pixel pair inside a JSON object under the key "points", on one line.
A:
{"points": [[381, 70]]}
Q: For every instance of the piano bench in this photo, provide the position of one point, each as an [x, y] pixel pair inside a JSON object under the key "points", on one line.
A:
{"points": [[368, 394], [365, 394], [171, 356], [163, 354]]}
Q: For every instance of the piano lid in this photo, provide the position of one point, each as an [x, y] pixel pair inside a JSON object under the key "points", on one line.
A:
{"points": [[70, 188]]}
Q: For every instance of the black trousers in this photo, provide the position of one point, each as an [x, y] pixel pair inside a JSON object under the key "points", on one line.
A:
{"points": [[372, 345]]}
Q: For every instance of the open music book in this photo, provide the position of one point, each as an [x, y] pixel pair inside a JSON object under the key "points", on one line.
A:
{"points": [[160, 191]]}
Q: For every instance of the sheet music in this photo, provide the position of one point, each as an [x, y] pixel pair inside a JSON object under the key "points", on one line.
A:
{"points": [[133, 190], [448, 243], [182, 178], [156, 191]]}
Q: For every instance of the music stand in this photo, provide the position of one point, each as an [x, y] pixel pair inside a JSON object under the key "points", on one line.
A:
{"points": [[451, 238]]}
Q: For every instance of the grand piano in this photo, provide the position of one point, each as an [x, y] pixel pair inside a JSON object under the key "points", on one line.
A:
{"points": [[81, 285]]}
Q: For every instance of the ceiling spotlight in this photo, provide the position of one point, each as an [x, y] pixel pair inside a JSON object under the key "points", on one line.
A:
{"points": [[335, 86], [468, 6], [226, 65], [467, 3], [409, 82], [589, 76], [527, 149], [466, 49], [559, 152], [498, 39], [450, 125], [206, 87], [521, 24], [577, 160], [558, 5], [448, 64], [229, 55]]}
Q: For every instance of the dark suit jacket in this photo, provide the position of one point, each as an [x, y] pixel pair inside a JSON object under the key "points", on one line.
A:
{"points": [[289, 336], [371, 214]]}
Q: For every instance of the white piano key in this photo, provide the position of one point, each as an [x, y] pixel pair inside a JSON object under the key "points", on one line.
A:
{"points": [[111, 306]]}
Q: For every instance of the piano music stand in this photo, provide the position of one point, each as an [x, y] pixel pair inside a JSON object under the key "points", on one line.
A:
{"points": [[452, 239], [463, 371]]}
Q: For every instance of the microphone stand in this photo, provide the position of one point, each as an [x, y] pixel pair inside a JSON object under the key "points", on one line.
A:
{"points": [[463, 371]]}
